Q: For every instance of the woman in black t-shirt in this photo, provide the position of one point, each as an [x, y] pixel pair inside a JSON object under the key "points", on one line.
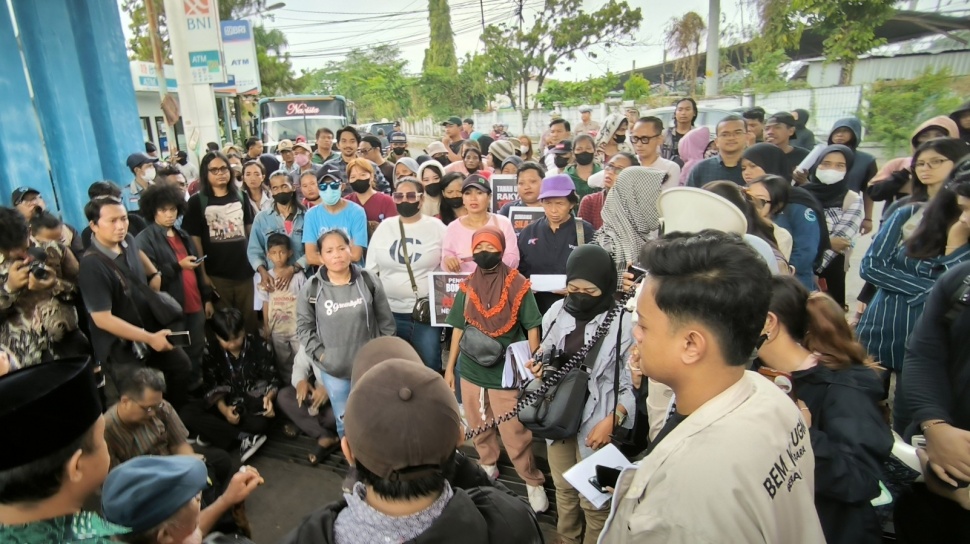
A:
{"points": [[219, 220]]}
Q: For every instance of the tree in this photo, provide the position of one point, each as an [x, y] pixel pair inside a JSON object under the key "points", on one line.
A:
{"points": [[275, 68], [140, 43], [560, 31], [374, 78], [636, 87], [684, 37], [441, 51], [893, 109], [847, 26], [574, 93]]}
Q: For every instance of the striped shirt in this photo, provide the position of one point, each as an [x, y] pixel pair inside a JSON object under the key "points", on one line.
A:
{"points": [[904, 283], [161, 434]]}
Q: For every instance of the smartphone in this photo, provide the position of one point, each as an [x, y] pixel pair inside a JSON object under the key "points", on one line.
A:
{"points": [[180, 339], [200, 259], [607, 476], [637, 272]]}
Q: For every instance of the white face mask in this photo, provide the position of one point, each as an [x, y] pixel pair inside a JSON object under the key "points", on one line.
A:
{"points": [[829, 177], [524, 149], [148, 175]]}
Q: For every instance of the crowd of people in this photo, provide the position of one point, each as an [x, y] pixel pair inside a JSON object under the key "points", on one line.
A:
{"points": [[203, 305]]}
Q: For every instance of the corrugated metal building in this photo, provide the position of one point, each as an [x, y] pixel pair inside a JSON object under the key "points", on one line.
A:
{"points": [[904, 60]]}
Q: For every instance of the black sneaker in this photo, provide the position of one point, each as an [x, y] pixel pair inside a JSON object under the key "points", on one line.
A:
{"points": [[249, 446]]}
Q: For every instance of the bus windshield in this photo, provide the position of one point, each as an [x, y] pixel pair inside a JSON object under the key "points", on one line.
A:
{"points": [[287, 119]]}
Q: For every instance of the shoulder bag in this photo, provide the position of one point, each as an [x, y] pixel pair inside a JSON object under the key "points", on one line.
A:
{"points": [[557, 414], [421, 313], [164, 309], [481, 348]]}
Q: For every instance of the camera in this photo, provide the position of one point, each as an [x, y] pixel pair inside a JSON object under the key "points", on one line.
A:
{"points": [[37, 257], [552, 358]]}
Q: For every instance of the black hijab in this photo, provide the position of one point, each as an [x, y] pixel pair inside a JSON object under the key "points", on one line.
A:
{"points": [[830, 196], [595, 265], [770, 158]]}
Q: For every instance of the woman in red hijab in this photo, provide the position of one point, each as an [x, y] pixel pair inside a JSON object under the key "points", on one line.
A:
{"points": [[494, 308]]}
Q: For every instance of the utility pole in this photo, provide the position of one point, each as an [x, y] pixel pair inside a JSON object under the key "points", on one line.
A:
{"points": [[160, 78], [522, 83], [713, 48]]}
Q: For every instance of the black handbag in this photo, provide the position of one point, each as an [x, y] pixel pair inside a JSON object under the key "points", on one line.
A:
{"points": [[557, 414], [481, 348], [163, 307], [421, 313]]}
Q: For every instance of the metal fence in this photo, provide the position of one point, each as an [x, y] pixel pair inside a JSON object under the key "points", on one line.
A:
{"points": [[825, 105]]}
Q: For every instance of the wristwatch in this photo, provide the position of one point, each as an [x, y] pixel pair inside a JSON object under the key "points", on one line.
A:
{"points": [[620, 418]]}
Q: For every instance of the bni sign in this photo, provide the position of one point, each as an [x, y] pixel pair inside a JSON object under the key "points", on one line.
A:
{"points": [[239, 52], [201, 20]]}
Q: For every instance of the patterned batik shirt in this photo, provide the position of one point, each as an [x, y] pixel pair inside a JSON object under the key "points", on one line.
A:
{"points": [[80, 528]]}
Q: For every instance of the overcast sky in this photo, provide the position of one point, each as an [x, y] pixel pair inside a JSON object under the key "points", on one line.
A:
{"points": [[319, 34]]}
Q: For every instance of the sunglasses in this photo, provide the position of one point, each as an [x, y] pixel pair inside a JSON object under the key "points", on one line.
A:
{"points": [[333, 185], [410, 196]]}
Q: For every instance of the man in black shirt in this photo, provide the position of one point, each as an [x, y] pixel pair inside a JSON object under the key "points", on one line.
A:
{"points": [[136, 223], [779, 130], [118, 313]]}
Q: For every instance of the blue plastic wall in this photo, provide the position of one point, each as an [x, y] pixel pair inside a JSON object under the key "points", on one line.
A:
{"points": [[84, 101]]}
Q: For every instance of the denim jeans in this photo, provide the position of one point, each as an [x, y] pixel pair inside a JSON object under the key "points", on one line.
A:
{"points": [[425, 339], [339, 390]]}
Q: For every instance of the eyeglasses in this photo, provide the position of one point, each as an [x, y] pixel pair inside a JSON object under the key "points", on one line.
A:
{"points": [[932, 164], [364, 151], [643, 139], [410, 196], [150, 409], [735, 134], [220, 170], [614, 168], [333, 185]]}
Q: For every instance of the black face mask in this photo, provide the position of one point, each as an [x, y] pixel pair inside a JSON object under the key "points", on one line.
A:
{"points": [[399, 151], [455, 203], [561, 161], [584, 158], [284, 199], [487, 260], [581, 305], [619, 138], [408, 209], [433, 189], [443, 159], [360, 186]]}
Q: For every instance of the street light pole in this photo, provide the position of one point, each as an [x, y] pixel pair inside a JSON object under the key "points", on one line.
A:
{"points": [[160, 78], [713, 48]]}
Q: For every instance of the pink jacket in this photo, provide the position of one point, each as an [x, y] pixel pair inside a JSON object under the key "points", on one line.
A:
{"points": [[691, 149]]}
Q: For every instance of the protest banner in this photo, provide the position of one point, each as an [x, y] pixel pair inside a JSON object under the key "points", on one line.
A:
{"points": [[522, 216], [443, 286], [504, 190]]}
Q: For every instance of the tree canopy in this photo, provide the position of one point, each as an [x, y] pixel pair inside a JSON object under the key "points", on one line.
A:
{"points": [[560, 31], [847, 26]]}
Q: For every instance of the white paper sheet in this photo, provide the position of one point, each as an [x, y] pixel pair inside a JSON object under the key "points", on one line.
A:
{"points": [[515, 372], [578, 476], [547, 282]]}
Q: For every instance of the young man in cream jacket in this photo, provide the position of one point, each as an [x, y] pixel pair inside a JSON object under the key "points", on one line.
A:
{"points": [[733, 462]]}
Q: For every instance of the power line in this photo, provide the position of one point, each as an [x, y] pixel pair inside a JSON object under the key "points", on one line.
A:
{"points": [[400, 43]]}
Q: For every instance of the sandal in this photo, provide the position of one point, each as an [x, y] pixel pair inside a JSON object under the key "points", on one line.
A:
{"points": [[290, 430], [320, 453]]}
